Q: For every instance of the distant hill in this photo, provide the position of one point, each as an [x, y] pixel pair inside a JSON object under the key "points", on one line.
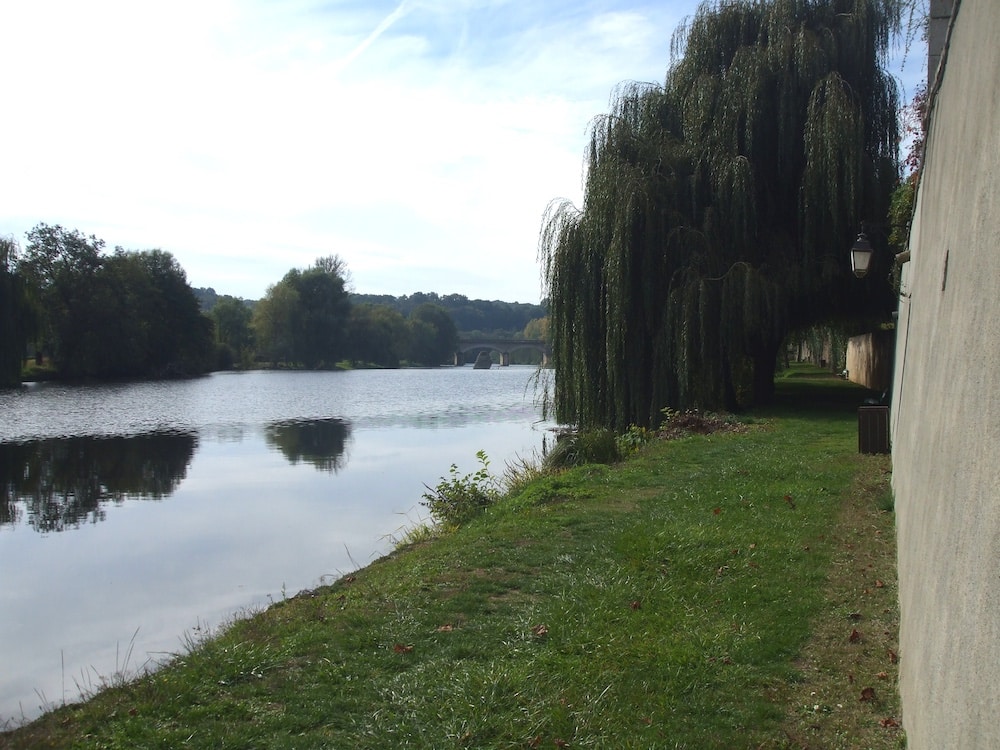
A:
{"points": [[207, 297]]}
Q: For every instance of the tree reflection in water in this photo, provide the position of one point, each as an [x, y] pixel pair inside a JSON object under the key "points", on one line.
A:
{"points": [[319, 442], [65, 482]]}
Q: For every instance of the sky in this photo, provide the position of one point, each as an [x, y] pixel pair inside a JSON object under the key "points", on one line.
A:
{"points": [[419, 140]]}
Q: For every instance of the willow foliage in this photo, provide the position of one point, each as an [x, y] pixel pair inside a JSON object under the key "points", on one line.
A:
{"points": [[718, 208]]}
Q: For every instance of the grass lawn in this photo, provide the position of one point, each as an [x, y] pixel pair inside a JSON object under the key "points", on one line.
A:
{"points": [[732, 590]]}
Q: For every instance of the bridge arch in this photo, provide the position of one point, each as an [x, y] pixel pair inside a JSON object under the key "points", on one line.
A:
{"points": [[503, 347]]}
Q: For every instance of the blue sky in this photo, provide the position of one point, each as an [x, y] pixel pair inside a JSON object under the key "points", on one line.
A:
{"points": [[420, 140]]}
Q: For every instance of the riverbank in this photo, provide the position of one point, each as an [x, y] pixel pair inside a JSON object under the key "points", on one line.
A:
{"points": [[728, 590]]}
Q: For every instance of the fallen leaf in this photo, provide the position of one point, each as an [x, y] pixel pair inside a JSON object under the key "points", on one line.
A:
{"points": [[540, 630], [535, 741], [855, 636], [636, 604], [349, 579], [889, 722], [717, 511], [883, 675], [445, 628], [893, 657], [879, 584], [791, 503], [868, 694], [400, 648], [561, 743]]}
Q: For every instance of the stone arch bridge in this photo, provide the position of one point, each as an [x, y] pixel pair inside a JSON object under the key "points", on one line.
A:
{"points": [[502, 346]]}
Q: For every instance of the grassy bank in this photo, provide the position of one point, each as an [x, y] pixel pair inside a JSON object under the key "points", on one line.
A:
{"points": [[730, 590]]}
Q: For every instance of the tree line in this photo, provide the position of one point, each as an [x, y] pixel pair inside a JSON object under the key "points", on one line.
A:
{"points": [[471, 316], [99, 315], [89, 313], [719, 208], [380, 330]]}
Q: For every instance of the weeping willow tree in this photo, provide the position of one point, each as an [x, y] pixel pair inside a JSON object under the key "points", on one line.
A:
{"points": [[719, 207]]}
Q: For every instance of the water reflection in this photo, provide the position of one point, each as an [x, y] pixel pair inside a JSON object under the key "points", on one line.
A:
{"points": [[65, 482], [222, 448], [319, 442]]}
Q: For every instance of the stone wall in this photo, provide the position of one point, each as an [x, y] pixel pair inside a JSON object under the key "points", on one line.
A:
{"points": [[869, 359], [945, 420]]}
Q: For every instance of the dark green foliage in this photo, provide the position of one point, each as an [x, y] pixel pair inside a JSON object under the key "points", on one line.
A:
{"points": [[475, 315], [322, 316], [232, 323], [377, 335], [433, 336], [274, 321], [719, 208], [17, 315], [307, 319], [128, 314], [303, 318]]}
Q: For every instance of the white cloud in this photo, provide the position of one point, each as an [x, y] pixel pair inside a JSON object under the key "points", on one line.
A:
{"points": [[421, 140]]}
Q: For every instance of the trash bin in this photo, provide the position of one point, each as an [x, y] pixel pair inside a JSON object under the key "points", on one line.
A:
{"points": [[873, 429]]}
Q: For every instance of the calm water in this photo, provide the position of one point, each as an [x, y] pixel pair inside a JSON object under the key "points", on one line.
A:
{"points": [[135, 515]]}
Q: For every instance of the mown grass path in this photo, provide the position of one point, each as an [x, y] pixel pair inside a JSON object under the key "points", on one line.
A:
{"points": [[732, 590]]}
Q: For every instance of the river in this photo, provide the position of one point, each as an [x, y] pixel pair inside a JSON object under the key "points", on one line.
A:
{"points": [[136, 516]]}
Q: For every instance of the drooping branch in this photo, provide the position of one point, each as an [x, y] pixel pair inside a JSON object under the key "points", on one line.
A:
{"points": [[717, 206]]}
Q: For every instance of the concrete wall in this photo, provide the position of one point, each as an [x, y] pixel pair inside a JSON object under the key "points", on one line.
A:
{"points": [[939, 16], [946, 406], [869, 360]]}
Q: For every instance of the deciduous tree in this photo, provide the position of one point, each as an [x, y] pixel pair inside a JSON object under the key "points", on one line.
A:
{"points": [[303, 318], [232, 325], [433, 336], [17, 316], [121, 315]]}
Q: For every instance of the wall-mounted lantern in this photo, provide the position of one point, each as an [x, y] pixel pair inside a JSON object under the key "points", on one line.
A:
{"points": [[861, 256]]}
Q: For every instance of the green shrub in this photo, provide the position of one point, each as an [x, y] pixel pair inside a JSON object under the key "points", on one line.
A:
{"points": [[633, 439], [459, 499]]}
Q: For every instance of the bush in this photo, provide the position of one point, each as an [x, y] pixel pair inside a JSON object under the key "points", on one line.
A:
{"points": [[633, 439], [459, 499]]}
